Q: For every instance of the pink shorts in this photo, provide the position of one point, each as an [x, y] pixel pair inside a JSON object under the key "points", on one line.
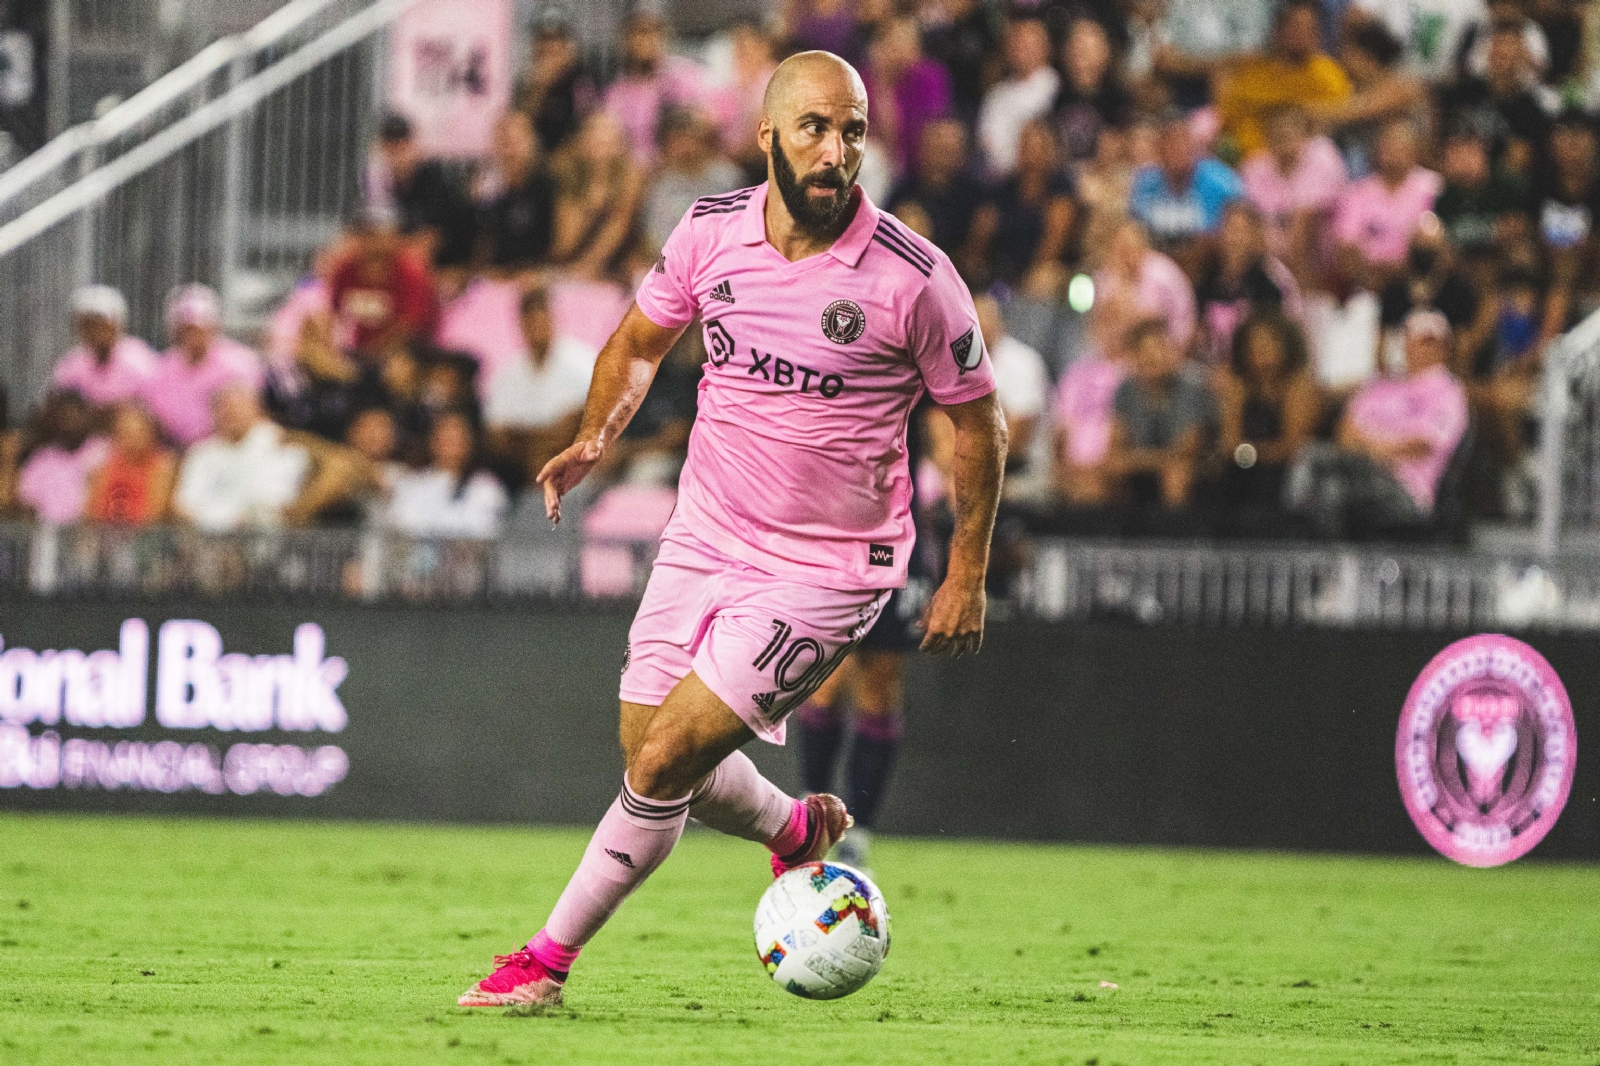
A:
{"points": [[761, 643]]}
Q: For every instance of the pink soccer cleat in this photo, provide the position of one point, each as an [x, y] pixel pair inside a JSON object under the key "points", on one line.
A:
{"points": [[519, 980], [826, 822]]}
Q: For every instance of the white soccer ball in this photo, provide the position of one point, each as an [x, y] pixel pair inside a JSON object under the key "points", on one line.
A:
{"points": [[822, 930]]}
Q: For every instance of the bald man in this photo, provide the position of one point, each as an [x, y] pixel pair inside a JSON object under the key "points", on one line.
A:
{"points": [[825, 321]]}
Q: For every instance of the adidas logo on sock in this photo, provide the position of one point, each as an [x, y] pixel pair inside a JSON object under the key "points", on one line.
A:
{"points": [[621, 856], [723, 292]]}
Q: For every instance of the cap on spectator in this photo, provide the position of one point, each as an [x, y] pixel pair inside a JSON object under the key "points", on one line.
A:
{"points": [[552, 21], [395, 127], [101, 301], [193, 305], [1427, 322]]}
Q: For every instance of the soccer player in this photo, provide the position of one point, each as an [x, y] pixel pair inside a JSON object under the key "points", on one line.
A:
{"points": [[825, 320]]}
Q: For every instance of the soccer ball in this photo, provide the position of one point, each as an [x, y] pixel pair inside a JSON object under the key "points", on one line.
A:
{"points": [[822, 930]]}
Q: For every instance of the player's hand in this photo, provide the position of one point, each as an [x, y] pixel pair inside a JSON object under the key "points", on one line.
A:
{"points": [[953, 623], [563, 473]]}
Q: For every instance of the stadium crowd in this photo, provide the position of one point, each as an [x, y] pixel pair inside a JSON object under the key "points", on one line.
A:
{"points": [[1243, 270]]}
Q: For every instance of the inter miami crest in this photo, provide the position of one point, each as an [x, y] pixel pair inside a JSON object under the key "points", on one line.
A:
{"points": [[968, 350], [843, 322]]}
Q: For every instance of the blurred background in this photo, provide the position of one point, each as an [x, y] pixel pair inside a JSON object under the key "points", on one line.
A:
{"points": [[1288, 302]]}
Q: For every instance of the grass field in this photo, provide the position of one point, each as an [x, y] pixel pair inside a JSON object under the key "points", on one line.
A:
{"points": [[187, 941]]}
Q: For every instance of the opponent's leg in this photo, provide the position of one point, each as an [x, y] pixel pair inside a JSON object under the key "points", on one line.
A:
{"points": [[678, 745], [821, 722], [878, 726]]}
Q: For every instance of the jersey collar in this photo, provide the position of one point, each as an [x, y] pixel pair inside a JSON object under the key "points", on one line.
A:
{"points": [[848, 249]]}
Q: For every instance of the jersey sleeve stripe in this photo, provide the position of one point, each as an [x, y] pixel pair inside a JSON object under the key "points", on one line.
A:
{"points": [[925, 271], [908, 249], [717, 204], [723, 197]]}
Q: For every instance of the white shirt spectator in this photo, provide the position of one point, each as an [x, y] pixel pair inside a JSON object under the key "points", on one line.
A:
{"points": [[1008, 107], [1020, 378], [434, 503], [225, 486], [1432, 31], [522, 395]]}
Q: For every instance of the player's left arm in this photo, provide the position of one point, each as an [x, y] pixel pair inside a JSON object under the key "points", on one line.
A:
{"points": [[954, 622]]}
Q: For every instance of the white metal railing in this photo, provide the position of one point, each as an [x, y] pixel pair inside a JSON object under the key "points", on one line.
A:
{"points": [[1569, 445], [1149, 583], [232, 171]]}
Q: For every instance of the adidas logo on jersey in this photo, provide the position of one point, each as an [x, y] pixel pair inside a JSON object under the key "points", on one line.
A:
{"points": [[723, 292]]}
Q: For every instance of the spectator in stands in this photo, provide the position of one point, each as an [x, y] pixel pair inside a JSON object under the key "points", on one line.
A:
{"points": [[1502, 103], [651, 451], [1134, 283], [940, 197], [753, 64], [1393, 444], [690, 169], [453, 497], [516, 200], [134, 486], [1268, 408], [1022, 381], [1240, 278], [906, 90], [829, 25], [1503, 378], [1083, 417], [534, 403], [1019, 235], [1092, 98], [1380, 91], [1293, 70], [1481, 206], [1103, 186], [1511, 16], [58, 454], [1431, 278], [430, 212], [964, 35], [200, 363], [599, 191], [380, 293], [107, 366], [1180, 198], [1564, 200], [651, 81], [1027, 93], [1376, 216], [555, 92], [253, 474], [1163, 420], [1295, 181], [320, 390], [1431, 34]]}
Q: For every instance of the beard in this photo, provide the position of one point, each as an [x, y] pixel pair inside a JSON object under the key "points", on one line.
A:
{"points": [[816, 216]]}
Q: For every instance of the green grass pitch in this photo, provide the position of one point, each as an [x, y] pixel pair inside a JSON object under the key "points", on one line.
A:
{"points": [[146, 941]]}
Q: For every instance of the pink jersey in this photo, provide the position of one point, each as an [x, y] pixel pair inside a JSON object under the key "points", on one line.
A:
{"points": [[1431, 405], [121, 377], [179, 393], [797, 462]]}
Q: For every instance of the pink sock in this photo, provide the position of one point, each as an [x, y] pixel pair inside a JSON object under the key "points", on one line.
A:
{"points": [[557, 958], [793, 834], [738, 801], [634, 838]]}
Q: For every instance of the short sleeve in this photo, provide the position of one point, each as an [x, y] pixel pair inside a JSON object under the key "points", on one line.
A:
{"points": [[942, 335], [666, 296]]}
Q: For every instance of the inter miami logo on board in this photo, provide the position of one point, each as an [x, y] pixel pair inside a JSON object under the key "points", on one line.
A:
{"points": [[723, 292], [968, 350], [719, 343], [844, 322]]}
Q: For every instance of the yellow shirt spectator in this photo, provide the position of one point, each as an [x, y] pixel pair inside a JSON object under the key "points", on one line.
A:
{"points": [[1254, 85]]}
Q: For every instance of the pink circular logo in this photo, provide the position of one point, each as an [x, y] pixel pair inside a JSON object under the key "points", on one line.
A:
{"points": [[1486, 750]]}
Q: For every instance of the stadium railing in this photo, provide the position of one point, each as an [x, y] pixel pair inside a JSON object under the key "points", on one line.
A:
{"points": [[1189, 584]]}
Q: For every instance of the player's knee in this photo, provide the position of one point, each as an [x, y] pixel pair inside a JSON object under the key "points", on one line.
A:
{"points": [[662, 768]]}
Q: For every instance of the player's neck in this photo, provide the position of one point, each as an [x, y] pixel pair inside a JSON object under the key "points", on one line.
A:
{"points": [[796, 242]]}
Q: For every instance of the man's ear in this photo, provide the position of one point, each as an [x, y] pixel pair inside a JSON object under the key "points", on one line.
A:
{"points": [[764, 135]]}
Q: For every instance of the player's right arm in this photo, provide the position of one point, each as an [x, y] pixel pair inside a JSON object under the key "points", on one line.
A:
{"points": [[622, 376]]}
